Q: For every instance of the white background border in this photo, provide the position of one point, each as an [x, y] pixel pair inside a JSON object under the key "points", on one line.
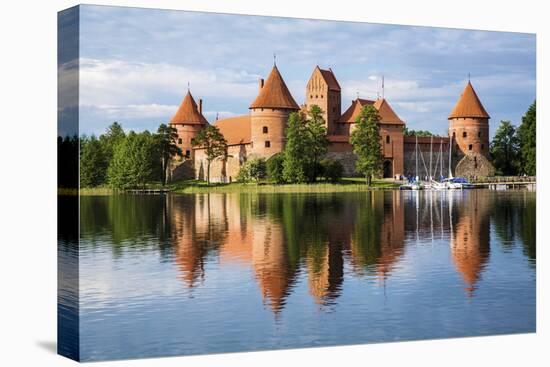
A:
{"points": [[28, 83]]}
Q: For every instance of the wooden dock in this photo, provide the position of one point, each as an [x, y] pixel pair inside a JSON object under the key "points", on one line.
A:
{"points": [[505, 182], [149, 191]]}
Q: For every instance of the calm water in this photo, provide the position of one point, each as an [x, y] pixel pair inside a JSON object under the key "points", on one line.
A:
{"points": [[189, 274]]}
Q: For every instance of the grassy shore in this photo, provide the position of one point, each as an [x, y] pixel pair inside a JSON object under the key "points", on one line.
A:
{"points": [[195, 186], [345, 185]]}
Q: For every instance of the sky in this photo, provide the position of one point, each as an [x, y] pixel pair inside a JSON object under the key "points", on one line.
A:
{"points": [[135, 65]]}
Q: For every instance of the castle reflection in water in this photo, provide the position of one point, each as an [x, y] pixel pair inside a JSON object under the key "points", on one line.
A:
{"points": [[279, 237]]}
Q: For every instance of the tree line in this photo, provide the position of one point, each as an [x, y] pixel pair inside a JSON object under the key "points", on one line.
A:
{"points": [[127, 160], [513, 149]]}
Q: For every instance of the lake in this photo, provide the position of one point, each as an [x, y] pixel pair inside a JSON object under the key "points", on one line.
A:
{"points": [[210, 273]]}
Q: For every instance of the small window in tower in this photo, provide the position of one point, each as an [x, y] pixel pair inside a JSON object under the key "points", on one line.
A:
{"points": [[482, 146], [464, 134], [267, 144], [479, 134], [192, 141], [454, 135], [321, 96], [311, 96], [180, 141], [264, 129], [470, 147], [187, 153], [387, 139]]}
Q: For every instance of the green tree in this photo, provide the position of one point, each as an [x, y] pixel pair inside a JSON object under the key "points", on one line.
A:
{"points": [[317, 141], [295, 149], [274, 168], [504, 149], [252, 170], [214, 144], [114, 135], [93, 163], [306, 144], [332, 170], [407, 132], [527, 134], [365, 140], [134, 160], [165, 141]]}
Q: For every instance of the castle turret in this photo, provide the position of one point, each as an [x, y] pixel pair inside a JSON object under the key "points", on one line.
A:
{"points": [[469, 131], [269, 115], [469, 124], [188, 121], [324, 91]]}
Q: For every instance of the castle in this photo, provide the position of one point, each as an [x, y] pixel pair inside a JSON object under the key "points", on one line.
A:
{"points": [[260, 133]]}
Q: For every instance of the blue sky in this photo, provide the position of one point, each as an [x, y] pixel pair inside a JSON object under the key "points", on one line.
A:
{"points": [[135, 65]]}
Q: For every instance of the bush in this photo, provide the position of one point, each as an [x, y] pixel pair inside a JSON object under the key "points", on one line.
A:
{"points": [[252, 170], [274, 167], [332, 170]]}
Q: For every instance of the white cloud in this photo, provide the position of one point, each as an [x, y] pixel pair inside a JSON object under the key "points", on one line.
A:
{"points": [[116, 82]]}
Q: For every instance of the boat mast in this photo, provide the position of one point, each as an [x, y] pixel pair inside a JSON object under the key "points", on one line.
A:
{"points": [[416, 157], [431, 151], [441, 158], [450, 154]]}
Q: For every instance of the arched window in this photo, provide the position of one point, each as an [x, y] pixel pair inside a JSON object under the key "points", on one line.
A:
{"points": [[267, 144], [454, 135], [464, 134], [187, 153], [482, 146], [470, 147], [180, 141], [264, 129], [387, 139], [321, 96], [479, 134]]}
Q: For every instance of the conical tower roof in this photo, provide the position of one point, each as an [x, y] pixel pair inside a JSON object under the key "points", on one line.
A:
{"points": [[275, 94], [188, 112], [469, 105]]}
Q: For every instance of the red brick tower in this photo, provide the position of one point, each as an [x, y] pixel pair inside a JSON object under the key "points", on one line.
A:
{"points": [[269, 115], [324, 91], [469, 124], [188, 121]]}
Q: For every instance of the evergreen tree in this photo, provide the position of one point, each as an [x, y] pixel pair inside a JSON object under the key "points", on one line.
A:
{"points": [[165, 141], [527, 134], [133, 161], [115, 134], [212, 141], [504, 149], [365, 140], [93, 163], [295, 149]]}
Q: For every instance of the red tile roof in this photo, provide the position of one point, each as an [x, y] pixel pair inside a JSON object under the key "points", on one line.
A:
{"points": [[330, 79], [275, 94], [236, 130], [188, 112], [387, 114], [469, 105]]}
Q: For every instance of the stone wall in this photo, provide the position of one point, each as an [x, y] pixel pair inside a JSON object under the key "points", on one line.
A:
{"points": [[182, 170], [474, 165], [347, 158], [222, 170]]}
